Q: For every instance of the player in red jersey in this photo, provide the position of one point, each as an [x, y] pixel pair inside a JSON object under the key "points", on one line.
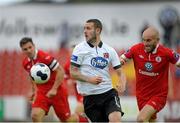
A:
{"points": [[68, 80], [151, 62], [48, 94]]}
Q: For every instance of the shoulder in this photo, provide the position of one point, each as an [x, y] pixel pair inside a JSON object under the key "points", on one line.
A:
{"points": [[80, 47], [165, 50], [44, 55], [108, 47], [136, 47]]}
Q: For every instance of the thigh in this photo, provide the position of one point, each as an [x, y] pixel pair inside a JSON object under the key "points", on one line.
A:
{"points": [[147, 112], [112, 104], [151, 106], [39, 112], [157, 103], [61, 106], [92, 110], [41, 101]]}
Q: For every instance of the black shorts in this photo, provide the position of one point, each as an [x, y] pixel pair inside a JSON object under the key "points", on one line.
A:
{"points": [[98, 107]]}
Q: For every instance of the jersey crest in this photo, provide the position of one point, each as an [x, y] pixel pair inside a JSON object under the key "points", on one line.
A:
{"points": [[158, 59]]}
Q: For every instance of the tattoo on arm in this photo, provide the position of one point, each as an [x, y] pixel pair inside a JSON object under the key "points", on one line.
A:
{"points": [[76, 74]]}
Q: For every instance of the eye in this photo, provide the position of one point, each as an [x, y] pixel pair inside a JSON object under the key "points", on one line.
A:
{"points": [[24, 49]]}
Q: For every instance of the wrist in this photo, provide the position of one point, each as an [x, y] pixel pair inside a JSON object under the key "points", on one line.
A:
{"points": [[87, 79]]}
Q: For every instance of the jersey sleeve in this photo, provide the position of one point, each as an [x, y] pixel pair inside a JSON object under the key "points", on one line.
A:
{"points": [[115, 59], [173, 56], [50, 61], [129, 53], [77, 57]]}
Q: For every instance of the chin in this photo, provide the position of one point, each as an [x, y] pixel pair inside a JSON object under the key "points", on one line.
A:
{"points": [[148, 50]]}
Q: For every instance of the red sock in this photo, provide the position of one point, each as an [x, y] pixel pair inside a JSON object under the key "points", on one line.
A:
{"points": [[83, 119]]}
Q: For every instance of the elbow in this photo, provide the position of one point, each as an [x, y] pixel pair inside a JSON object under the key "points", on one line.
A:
{"points": [[178, 63], [72, 75]]}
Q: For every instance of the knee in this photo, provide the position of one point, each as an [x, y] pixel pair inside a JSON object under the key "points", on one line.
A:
{"points": [[115, 117], [141, 118], [72, 118], [35, 116]]}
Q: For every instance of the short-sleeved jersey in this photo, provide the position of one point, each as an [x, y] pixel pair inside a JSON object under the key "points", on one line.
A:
{"points": [[151, 69], [42, 57], [66, 69], [94, 61]]}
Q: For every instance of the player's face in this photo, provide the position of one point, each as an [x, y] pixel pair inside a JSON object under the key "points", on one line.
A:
{"points": [[28, 49], [150, 43], [90, 32]]}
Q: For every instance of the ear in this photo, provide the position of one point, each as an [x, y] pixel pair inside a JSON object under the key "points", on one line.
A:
{"points": [[98, 30]]}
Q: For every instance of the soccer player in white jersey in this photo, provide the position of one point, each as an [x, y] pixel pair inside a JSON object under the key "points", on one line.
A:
{"points": [[90, 64]]}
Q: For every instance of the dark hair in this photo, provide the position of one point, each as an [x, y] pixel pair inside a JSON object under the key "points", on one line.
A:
{"points": [[97, 23], [25, 40]]}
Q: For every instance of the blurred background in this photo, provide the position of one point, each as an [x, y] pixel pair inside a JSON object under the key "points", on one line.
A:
{"points": [[54, 25]]}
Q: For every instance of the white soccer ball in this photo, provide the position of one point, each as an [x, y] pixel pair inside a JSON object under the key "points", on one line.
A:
{"points": [[40, 73]]}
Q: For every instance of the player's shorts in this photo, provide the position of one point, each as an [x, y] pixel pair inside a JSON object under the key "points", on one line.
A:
{"points": [[98, 107], [79, 97], [156, 102], [59, 103]]}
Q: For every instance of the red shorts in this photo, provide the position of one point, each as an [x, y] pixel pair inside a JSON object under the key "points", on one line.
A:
{"points": [[59, 103], [79, 97], [156, 102]]}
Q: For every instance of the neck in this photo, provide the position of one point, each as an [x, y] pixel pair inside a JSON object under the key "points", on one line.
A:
{"points": [[95, 42]]}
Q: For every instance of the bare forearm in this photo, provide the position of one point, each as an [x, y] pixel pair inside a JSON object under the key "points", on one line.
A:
{"points": [[123, 59], [78, 76], [122, 77], [59, 77], [33, 85]]}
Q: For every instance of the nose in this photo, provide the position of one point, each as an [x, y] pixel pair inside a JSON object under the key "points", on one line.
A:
{"points": [[28, 50], [84, 31]]}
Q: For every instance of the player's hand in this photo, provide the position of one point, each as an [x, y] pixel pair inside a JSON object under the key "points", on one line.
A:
{"points": [[121, 88], [96, 80], [31, 97], [51, 93]]}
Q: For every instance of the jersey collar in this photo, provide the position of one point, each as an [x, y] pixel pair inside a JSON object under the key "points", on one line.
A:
{"points": [[155, 50], [99, 45], [36, 53]]}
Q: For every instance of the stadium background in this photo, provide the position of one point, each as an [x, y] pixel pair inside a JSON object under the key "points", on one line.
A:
{"points": [[56, 25]]}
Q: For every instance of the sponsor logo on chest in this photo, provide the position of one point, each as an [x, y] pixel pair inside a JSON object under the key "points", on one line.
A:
{"points": [[99, 62]]}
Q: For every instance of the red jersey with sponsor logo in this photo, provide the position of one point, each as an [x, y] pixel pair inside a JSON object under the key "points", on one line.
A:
{"points": [[42, 57], [151, 69]]}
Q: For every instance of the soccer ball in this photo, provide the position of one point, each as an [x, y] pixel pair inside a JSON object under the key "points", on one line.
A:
{"points": [[40, 73]]}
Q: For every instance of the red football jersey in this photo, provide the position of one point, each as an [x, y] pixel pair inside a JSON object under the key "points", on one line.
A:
{"points": [[66, 69], [151, 69], [42, 57]]}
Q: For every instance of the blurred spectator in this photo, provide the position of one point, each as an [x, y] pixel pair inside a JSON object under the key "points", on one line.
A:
{"points": [[168, 18], [175, 37], [64, 34]]}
